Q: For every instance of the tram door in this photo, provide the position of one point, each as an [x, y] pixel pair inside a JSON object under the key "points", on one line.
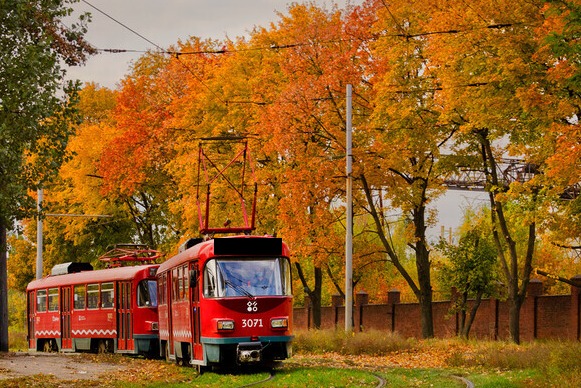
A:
{"points": [[198, 353], [31, 317], [124, 329], [66, 340]]}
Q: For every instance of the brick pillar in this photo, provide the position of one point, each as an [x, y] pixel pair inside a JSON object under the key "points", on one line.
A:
{"points": [[361, 299], [528, 322], [393, 298], [337, 303], [575, 331]]}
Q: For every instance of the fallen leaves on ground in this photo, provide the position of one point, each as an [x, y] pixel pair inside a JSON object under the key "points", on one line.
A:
{"points": [[155, 370], [426, 357]]}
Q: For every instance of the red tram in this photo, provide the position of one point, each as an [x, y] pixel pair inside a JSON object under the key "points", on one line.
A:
{"points": [[108, 310], [226, 301]]}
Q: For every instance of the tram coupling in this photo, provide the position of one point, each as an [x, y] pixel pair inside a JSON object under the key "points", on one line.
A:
{"points": [[249, 352]]}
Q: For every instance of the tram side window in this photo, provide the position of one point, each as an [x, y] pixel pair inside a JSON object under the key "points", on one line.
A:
{"points": [[181, 283], [210, 280], [79, 297], [161, 284], [107, 295], [174, 288], [147, 293], [93, 296], [41, 300], [53, 299], [185, 283]]}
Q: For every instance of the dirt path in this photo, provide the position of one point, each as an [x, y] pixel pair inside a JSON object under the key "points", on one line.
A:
{"points": [[62, 366]]}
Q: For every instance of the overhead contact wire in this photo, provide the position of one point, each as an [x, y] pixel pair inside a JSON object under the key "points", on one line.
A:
{"points": [[162, 50]]}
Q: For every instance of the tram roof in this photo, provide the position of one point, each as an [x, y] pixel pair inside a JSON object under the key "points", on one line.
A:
{"points": [[230, 246], [96, 276]]}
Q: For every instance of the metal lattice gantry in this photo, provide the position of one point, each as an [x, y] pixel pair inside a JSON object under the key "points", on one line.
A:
{"points": [[508, 171]]}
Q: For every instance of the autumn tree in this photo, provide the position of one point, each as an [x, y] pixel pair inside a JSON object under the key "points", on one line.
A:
{"points": [[82, 222], [197, 85], [470, 268], [403, 142], [485, 61], [133, 162], [21, 269], [34, 122], [303, 130], [555, 101]]}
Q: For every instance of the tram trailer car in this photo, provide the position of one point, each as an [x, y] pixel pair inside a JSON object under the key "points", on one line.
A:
{"points": [[108, 310], [226, 302]]}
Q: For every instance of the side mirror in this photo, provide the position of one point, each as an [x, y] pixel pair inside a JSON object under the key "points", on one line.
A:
{"points": [[193, 278]]}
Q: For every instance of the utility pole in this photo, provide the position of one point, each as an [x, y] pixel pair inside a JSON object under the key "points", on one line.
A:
{"points": [[3, 289], [39, 240], [349, 228]]}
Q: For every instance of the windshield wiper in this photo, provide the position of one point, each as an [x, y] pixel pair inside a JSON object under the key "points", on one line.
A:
{"points": [[238, 289]]}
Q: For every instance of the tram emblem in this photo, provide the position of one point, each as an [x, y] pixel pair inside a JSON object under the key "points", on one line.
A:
{"points": [[252, 306]]}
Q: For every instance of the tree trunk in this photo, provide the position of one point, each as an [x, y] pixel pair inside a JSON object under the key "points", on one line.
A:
{"points": [[423, 289], [505, 242], [3, 290], [514, 315], [314, 295], [425, 301], [462, 308], [468, 323], [316, 298], [424, 276]]}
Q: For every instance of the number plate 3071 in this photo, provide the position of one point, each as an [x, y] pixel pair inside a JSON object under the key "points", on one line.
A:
{"points": [[256, 322]]}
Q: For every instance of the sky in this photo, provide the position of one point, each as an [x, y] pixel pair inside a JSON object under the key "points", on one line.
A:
{"points": [[164, 23], [151, 23]]}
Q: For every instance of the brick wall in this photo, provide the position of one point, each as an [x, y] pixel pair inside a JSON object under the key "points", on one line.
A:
{"points": [[542, 316]]}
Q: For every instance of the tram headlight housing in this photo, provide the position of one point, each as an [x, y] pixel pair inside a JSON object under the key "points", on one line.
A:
{"points": [[225, 325], [279, 323], [153, 326]]}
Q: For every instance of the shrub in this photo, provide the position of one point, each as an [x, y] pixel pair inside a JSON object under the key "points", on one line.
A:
{"points": [[370, 343]]}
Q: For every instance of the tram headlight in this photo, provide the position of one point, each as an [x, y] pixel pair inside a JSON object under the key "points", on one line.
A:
{"points": [[225, 324], [153, 326], [279, 323]]}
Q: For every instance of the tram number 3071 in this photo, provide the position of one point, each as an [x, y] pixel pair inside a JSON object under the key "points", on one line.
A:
{"points": [[256, 322]]}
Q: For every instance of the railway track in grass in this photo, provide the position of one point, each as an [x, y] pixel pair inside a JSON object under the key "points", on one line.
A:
{"points": [[379, 382]]}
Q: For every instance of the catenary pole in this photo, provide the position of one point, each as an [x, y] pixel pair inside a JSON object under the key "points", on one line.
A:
{"points": [[349, 228], [39, 240]]}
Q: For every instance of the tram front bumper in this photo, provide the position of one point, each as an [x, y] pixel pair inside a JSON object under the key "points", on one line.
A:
{"points": [[249, 352]]}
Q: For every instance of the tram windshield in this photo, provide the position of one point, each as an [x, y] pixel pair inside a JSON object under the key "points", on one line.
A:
{"points": [[147, 293], [247, 277]]}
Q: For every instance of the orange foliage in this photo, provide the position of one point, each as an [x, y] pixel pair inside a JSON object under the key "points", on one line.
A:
{"points": [[425, 75]]}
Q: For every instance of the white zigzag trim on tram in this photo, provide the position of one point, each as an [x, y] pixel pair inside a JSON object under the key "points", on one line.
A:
{"points": [[182, 333], [47, 332], [94, 332]]}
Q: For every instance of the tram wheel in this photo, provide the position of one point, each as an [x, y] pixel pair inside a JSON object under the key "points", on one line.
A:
{"points": [[48, 346], [103, 347], [167, 352]]}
